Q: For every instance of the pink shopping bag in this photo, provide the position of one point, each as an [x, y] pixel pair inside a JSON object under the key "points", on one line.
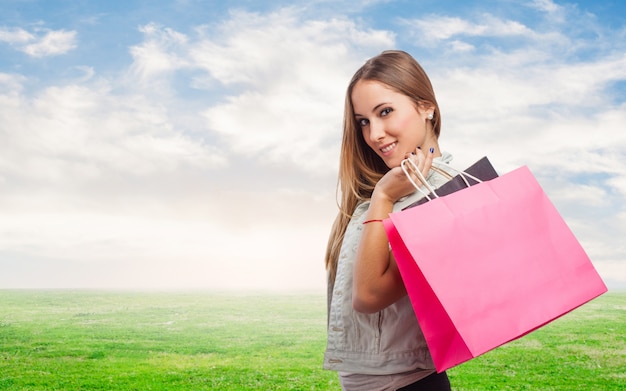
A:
{"points": [[488, 264]]}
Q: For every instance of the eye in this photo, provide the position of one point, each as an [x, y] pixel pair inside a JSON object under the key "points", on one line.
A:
{"points": [[363, 122], [386, 112]]}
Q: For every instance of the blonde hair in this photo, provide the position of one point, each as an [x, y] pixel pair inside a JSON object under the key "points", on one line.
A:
{"points": [[360, 168]]}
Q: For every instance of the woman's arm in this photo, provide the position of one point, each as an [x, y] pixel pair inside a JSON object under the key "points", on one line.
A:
{"points": [[377, 282]]}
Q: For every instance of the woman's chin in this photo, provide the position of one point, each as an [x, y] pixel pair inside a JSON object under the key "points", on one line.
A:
{"points": [[392, 163]]}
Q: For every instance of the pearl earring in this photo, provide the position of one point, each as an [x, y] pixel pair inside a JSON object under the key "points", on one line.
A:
{"points": [[430, 116]]}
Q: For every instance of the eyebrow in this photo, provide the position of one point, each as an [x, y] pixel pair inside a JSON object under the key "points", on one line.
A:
{"points": [[373, 110]]}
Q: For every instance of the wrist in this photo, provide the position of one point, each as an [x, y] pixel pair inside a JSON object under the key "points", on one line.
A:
{"points": [[382, 198], [380, 207]]}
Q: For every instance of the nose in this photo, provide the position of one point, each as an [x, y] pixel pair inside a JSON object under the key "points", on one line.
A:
{"points": [[377, 131]]}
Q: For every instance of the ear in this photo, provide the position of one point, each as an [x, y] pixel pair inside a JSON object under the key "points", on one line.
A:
{"points": [[425, 109]]}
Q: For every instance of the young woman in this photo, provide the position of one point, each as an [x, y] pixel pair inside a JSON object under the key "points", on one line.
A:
{"points": [[374, 340]]}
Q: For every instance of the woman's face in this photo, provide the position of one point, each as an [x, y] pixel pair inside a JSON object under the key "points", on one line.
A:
{"points": [[391, 123]]}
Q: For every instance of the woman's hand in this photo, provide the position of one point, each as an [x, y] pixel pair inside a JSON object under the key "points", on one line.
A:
{"points": [[395, 184]]}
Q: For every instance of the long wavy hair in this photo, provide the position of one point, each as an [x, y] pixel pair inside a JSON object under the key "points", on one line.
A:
{"points": [[360, 168]]}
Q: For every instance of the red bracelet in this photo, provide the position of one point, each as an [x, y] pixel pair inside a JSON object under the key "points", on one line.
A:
{"points": [[372, 221]]}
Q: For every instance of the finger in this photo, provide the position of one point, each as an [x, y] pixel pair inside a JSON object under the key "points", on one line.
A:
{"points": [[428, 162], [418, 161]]}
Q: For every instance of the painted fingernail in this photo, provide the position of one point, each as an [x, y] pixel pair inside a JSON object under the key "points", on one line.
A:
{"points": [[432, 150]]}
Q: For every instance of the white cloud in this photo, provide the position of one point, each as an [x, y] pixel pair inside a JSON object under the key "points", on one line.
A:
{"points": [[87, 73], [580, 194], [545, 5], [251, 48], [522, 86], [434, 28], [52, 43], [161, 53], [613, 271], [219, 245], [291, 88], [291, 109], [125, 172], [76, 133], [619, 182], [15, 36], [100, 154], [41, 42], [12, 84], [460, 46]]}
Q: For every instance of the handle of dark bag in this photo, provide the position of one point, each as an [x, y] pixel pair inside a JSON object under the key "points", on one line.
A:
{"points": [[464, 175]]}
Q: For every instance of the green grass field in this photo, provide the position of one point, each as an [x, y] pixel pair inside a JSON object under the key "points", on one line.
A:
{"points": [[66, 340]]}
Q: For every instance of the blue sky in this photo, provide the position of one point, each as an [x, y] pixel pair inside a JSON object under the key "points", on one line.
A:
{"points": [[194, 144]]}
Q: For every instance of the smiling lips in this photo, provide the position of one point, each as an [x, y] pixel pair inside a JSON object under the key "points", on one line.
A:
{"points": [[389, 147]]}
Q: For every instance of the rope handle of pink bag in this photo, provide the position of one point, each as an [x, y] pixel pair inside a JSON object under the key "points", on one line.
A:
{"points": [[464, 175]]}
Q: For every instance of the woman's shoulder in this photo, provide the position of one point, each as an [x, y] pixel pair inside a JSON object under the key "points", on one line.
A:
{"points": [[446, 157]]}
